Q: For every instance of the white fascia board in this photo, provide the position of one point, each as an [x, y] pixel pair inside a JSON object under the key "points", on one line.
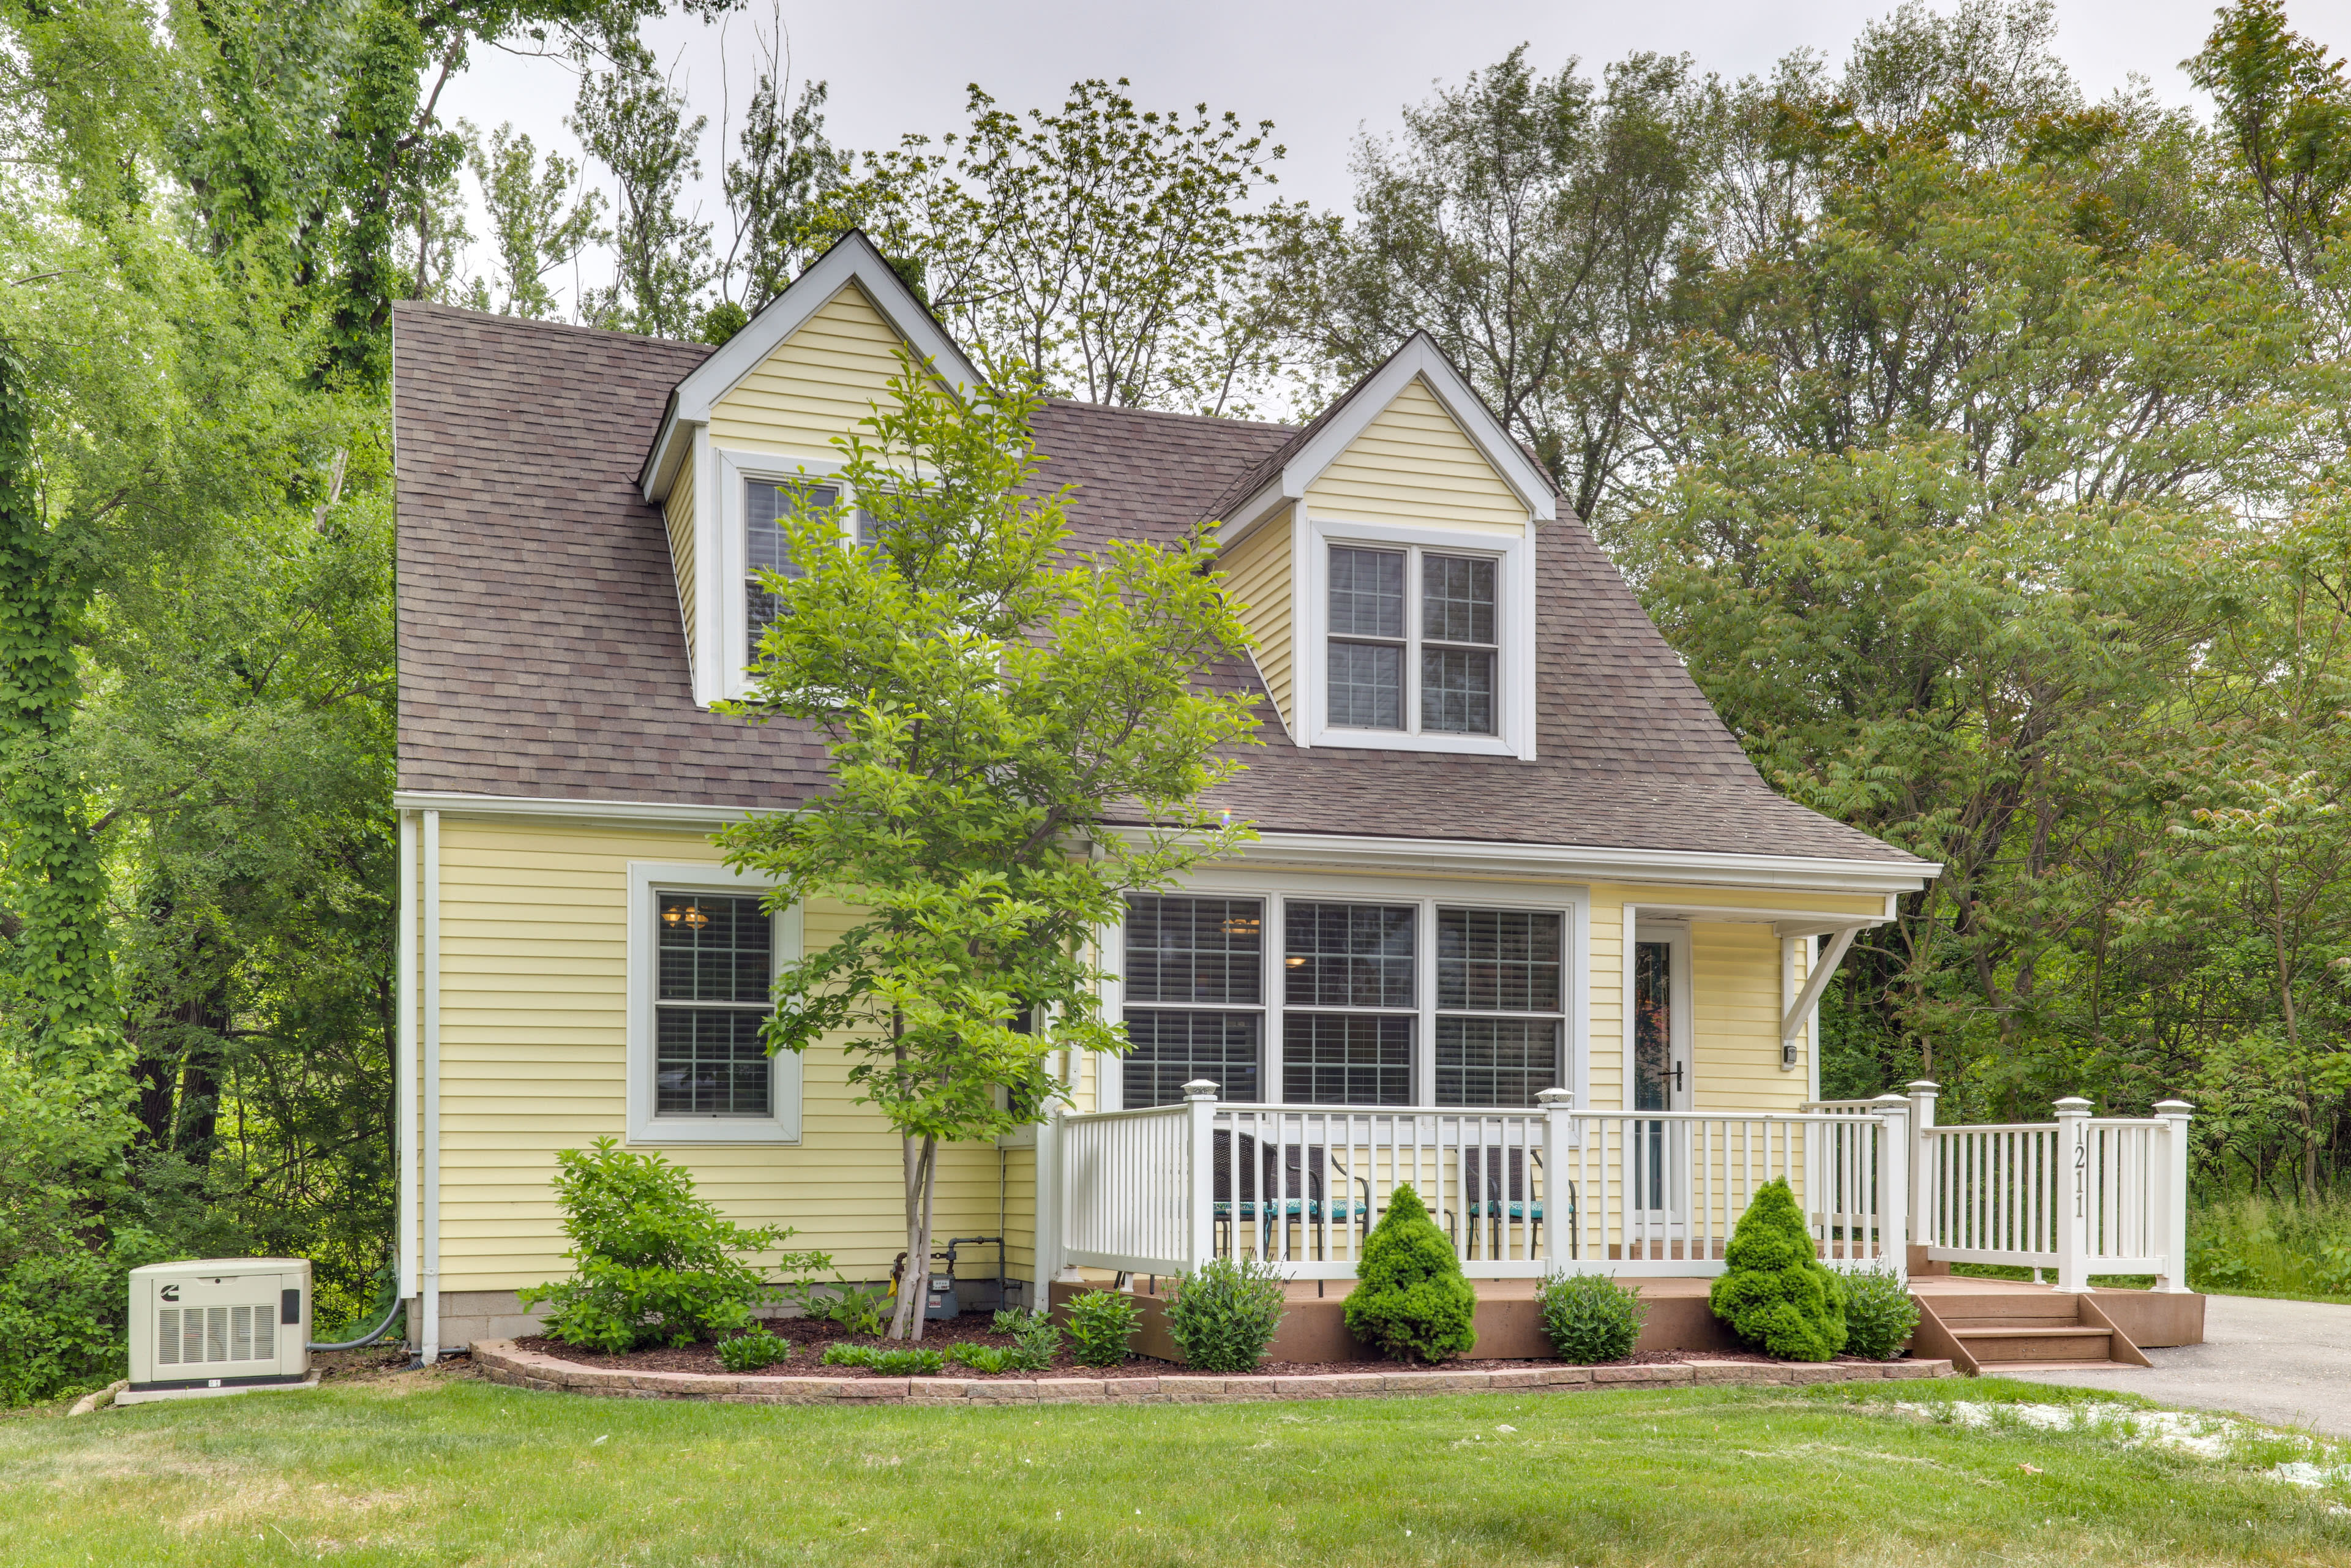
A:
{"points": [[853, 259], [681, 815], [1663, 868], [1421, 357], [1246, 517]]}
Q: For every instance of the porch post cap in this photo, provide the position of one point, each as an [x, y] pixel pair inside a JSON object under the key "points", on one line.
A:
{"points": [[2172, 1107], [1892, 1099], [1200, 1089], [2073, 1105], [1560, 1098], [1923, 1086]]}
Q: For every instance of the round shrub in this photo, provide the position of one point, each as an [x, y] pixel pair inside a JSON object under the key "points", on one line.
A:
{"points": [[1776, 1292], [1591, 1318], [1879, 1314], [1223, 1315], [1410, 1298], [1101, 1323]]}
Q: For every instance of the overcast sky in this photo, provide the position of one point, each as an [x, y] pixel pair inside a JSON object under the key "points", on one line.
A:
{"points": [[1322, 71]]}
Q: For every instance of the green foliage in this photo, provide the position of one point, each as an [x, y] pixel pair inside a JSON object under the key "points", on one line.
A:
{"points": [[988, 696], [753, 1350], [1775, 1293], [1879, 1313], [541, 218], [1103, 252], [654, 1263], [2259, 1244], [890, 1363], [1036, 1339], [1590, 1318], [1100, 1324], [62, 1288], [633, 121], [1223, 1315], [1410, 1298]]}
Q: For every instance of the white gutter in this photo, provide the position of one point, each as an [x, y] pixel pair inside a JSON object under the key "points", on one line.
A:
{"points": [[1685, 868], [405, 1077], [431, 1340]]}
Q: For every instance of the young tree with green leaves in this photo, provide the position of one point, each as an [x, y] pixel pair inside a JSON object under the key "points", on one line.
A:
{"points": [[1019, 737], [635, 123], [541, 218]]}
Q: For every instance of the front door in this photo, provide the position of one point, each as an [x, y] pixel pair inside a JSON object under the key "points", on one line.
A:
{"points": [[1661, 1063]]}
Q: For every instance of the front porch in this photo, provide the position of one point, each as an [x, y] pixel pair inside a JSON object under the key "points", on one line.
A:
{"points": [[1649, 1196]]}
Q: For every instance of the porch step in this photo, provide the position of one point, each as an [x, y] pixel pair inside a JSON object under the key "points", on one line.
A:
{"points": [[2042, 1330]]}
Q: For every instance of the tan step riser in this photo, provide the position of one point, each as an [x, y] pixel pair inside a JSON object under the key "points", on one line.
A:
{"points": [[2036, 1325], [2071, 1347], [2061, 1310]]}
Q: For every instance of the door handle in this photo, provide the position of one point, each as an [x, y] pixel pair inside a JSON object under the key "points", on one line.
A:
{"points": [[1678, 1077]]}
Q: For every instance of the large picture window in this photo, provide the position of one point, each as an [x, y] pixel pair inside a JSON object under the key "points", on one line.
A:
{"points": [[1414, 641], [1195, 974]]}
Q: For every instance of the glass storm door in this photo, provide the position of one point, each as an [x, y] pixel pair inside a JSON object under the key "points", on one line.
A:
{"points": [[1660, 1071]]}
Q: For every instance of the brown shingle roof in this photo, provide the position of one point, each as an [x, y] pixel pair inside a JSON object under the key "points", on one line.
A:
{"points": [[541, 655]]}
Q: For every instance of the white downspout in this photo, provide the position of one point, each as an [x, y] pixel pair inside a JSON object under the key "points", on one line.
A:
{"points": [[432, 1141], [404, 1075]]}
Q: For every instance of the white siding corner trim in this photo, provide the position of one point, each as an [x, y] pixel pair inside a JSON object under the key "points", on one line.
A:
{"points": [[647, 879]]}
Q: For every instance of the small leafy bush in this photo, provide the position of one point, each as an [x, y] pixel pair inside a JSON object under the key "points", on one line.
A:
{"points": [[1879, 1314], [983, 1357], [2257, 1243], [1223, 1315], [890, 1363], [856, 1309], [1411, 1299], [1591, 1318], [751, 1350], [1101, 1323], [654, 1263], [1036, 1338], [1776, 1292]]}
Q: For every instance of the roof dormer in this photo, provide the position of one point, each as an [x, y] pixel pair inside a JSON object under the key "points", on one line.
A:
{"points": [[1385, 560], [755, 424]]}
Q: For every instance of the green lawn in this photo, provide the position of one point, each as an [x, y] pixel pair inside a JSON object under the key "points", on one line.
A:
{"points": [[455, 1471]]}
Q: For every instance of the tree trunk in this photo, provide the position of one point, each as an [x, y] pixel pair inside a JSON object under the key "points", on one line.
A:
{"points": [[914, 1277]]}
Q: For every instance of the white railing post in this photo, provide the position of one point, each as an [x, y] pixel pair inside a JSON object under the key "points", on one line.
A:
{"points": [[2073, 1195], [2173, 1114], [1926, 1178], [1559, 1115], [1895, 1155], [1053, 1206], [1200, 1235]]}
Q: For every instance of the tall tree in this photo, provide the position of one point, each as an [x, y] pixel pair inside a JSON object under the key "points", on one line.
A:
{"points": [[541, 218], [991, 698], [774, 189], [634, 123]]}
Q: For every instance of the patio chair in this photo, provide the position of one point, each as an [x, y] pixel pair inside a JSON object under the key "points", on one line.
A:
{"points": [[1267, 1196], [1494, 1190]]}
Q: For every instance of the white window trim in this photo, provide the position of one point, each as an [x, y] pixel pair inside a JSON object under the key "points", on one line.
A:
{"points": [[725, 676], [1573, 904], [647, 879], [1514, 612]]}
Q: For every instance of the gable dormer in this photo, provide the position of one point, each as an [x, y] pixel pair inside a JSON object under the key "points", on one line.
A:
{"points": [[1385, 563], [756, 422]]}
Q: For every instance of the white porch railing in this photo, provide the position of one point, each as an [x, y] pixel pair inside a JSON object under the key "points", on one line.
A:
{"points": [[1521, 1193], [2080, 1195]]}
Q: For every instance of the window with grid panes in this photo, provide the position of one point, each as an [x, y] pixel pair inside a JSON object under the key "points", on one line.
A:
{"points": [[716, 957], [1193, 972], [1386, 639], [1500, 1004], [1348, 1003]]}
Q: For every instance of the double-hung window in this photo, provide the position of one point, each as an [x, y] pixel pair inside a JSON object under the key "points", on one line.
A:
{"points": [[1348, 1016], [716, 960], [1413, 642], [1195, 976], [767, 504], [1501, 1006]]}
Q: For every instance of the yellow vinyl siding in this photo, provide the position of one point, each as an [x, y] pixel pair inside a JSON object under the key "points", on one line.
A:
{"points": [[1412, 464], [818, 384], [1257, 578], [534, 1032], [680, 518]]}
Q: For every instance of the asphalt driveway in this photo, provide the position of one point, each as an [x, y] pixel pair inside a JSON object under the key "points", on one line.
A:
{"points": [[2282, 1362]]}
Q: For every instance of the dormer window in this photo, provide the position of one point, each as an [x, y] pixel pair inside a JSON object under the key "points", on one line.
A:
{"points": [[1413, 640], [766, 505]]}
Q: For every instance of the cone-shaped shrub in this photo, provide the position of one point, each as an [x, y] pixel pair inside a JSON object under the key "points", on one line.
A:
{"points": [[1776, 1294], [1410, 1298]]}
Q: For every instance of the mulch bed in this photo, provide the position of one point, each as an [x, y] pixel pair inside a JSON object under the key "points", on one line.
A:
{"points": [[808, 1336]]}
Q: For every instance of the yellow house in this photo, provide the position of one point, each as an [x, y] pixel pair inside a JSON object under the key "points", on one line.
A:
{"points": [[1516, 886]]}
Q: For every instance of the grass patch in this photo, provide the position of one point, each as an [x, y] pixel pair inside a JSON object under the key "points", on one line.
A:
{"points": [[456, 1470]]}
